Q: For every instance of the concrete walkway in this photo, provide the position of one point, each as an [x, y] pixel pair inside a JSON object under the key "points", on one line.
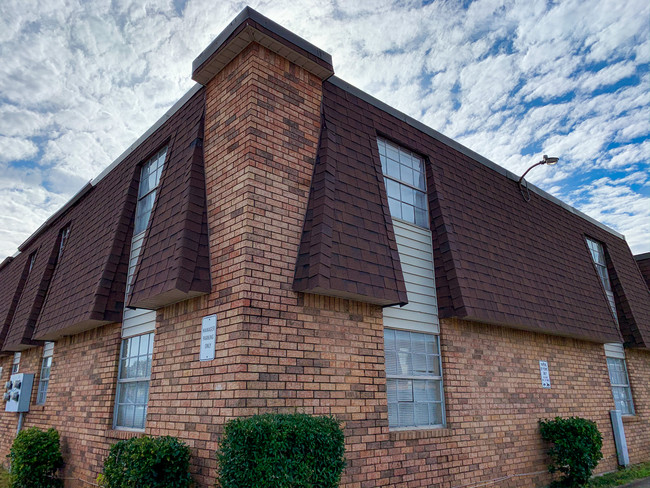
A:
{"points": [[644, 483]]}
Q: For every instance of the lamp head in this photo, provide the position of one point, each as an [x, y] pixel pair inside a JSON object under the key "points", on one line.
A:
{"points": [[550, 161]]}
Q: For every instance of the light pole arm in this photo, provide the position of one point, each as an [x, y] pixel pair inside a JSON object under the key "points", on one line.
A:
{"points": [[522, 176]]}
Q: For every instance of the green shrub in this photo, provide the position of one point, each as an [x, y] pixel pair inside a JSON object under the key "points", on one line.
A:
{"points": [[148, 462], [282, 451], [35, 457], [576, 449]]}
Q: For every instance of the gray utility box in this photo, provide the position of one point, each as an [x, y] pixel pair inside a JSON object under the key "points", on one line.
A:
{"points": [[18, 392]]}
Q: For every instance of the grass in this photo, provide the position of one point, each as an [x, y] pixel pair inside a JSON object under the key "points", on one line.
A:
{"points": [[621, 476], [5, 478]]}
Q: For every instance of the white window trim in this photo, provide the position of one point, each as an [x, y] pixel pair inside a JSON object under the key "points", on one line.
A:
{"points": [[399, 181], [616, 351], [140, 379], [15, 365], [43, 384], [607, 286], [437, 378]]}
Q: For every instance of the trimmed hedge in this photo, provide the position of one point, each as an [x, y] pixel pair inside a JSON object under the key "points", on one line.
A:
{"points": [[35, 458], [148, 462], [576, 449], [282, 451]]}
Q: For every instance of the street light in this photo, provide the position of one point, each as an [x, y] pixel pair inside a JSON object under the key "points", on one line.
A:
{"points": [[545, 160]]}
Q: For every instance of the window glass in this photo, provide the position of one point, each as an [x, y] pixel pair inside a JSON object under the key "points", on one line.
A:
{"points": [[46, 367], [413, 379], [598, 257], [405, 183], [65, 233], [620, 386], [149, 179], [133, 382], [15, 367]]}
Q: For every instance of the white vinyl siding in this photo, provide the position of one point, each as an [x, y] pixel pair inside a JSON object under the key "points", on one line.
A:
{"points": [[618, 377], [138, 321], [415, 248]]}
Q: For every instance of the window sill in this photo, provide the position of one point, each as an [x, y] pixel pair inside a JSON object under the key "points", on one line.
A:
{"points": [[409, 435], [123, 434], [630, 419]]}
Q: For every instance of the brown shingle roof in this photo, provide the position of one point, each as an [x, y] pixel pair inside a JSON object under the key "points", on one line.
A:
{"points": [[348, 246], [87, 286], [499, 259], [31, 300], [13, 274], [174, 264], [643, 262]]}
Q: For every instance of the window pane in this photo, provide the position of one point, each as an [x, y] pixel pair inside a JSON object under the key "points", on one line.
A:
{"points": [[408, 213], [392, 188], [408, 195], [395, 208], [406, 175], [391, 391], [393, 168], [404, 390], [144, 347], [392, 151], [139, 417]]}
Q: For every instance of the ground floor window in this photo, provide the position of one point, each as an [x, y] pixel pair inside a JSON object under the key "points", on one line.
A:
{"points": [[413, 379], [620, 385], [133, 382], [15, 366], [46, 367]]}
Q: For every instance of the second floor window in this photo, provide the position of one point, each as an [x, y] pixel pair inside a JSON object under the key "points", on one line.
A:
{"points": [[149, 179], [404, 177], [598, 256]]}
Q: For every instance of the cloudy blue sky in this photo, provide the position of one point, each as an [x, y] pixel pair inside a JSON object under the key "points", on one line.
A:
{"points": [[510, 79]]}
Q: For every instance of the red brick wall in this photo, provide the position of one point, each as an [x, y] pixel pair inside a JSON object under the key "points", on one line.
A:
{"points": [[79, 401]]}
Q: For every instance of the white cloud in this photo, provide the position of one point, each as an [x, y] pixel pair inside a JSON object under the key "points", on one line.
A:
{"points": [[16, 149], [512, 79]]}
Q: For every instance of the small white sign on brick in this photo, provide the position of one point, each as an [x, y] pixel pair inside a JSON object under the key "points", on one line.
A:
{"points": [[546, 378], [208, 337]]}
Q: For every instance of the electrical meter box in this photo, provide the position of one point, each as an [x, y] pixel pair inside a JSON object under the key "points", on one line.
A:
{"points": [[18, 391]]}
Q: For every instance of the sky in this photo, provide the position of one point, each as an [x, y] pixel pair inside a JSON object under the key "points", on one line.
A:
{"points": [[81, 80]]}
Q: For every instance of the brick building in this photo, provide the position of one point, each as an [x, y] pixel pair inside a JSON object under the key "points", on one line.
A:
{"points": [[356, 263]]}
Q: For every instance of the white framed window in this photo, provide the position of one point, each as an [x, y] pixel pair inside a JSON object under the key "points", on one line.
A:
{"points": [[15, 366], [149, 179], [32, 260], [46, 368], [133, 379], [134, 370], [65, 233], [404, 177], [619, 379], [413, 379], [598, 257]]}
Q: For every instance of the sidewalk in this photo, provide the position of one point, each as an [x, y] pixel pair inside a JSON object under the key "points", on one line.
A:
{"points": [[644, 483]]}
